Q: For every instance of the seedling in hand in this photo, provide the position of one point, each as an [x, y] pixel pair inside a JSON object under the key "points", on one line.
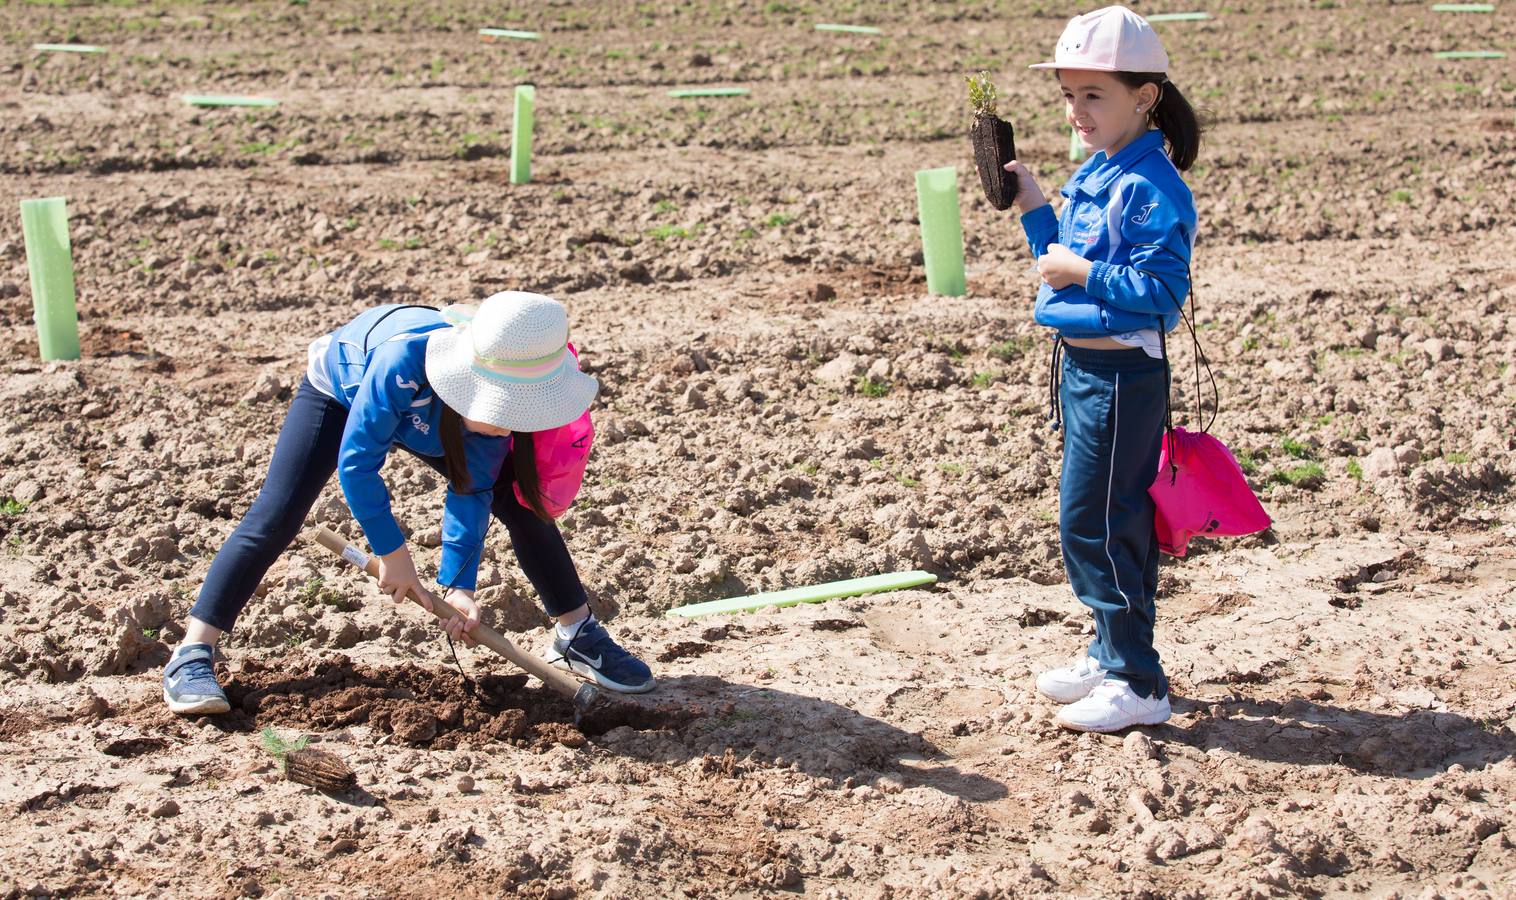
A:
{"points": [[994, 143]]}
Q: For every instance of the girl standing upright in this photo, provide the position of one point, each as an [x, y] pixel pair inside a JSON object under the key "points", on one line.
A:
{"points": [[1115, 271]]}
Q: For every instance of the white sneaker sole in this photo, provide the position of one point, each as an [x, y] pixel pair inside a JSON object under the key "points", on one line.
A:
{"points": [[1156, 717], [208, 706], [587, 672]]}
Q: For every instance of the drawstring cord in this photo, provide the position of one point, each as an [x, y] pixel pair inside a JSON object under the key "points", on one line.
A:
{"points": [[1055, 381]]}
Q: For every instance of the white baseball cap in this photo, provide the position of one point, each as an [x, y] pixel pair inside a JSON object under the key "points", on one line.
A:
{"points": [[1113, 39]]}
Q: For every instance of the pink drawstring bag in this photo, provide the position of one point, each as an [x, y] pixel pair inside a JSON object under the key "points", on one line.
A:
{"points": [[562, 454], [1208, 495]]}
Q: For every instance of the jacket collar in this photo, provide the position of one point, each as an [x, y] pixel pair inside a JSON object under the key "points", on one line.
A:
{"points": [[1102, 171]]}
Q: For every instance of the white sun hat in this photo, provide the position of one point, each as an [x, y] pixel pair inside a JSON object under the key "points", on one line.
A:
{"points": [[506, 362], [1113, 39]]}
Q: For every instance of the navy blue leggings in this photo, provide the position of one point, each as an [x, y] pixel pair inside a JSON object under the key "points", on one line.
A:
{"points": [[1113, 408], [305, 457]]}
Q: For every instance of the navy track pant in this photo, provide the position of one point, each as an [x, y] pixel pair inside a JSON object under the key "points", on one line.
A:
{"points": [[1113, 413]]}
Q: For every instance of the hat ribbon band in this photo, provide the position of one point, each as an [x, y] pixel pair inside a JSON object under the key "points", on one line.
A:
{"points": [[521, 371]]}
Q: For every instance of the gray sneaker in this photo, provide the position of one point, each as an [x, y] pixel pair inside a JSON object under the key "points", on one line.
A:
{"points": [[189, 682]]}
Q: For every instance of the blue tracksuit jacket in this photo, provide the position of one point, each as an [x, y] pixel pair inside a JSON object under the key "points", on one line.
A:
{"points": [[389, 402], [1134, 217]]}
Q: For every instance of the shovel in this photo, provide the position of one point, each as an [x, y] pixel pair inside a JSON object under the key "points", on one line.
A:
{"points": [[584, 696]]}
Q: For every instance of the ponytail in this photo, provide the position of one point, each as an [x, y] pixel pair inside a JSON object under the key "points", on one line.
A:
{"points": [[1173, 115], [524, 466], [522, 459], [454, 461]]}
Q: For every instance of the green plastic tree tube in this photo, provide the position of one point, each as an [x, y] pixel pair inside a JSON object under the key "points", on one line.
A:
{"points": [[1076, 149], [1463, 7], [1179, 17], [227, 100], [68, 48], [521, 135], [710, 92], [941, 230], [847, 29], [510, 33], [852, 587], [1470, 54], [44, 227]]}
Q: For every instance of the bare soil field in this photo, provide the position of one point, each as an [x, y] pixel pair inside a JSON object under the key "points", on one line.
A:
{"points": [[782, 404]]}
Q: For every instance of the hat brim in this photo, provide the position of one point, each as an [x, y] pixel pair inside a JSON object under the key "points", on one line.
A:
{"points": [[1081, 68], [484, 396]]}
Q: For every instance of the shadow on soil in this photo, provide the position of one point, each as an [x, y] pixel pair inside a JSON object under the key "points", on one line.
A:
{"points": [[1411, 745], [728, 727]]}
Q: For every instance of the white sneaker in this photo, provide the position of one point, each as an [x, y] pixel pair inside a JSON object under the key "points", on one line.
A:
{"points": [[1112, 706], [1071, 682]]}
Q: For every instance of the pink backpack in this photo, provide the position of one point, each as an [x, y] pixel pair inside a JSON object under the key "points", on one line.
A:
{"points": [[1204, 492], [561, 454]]}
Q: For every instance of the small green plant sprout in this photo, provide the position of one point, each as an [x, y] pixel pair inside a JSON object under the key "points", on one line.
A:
{"points": [[1013, 348], [982, 95], [10, 506], [1308, 476], [870, 387], [1355, 470], [278, 747], [1297, 449], [983, 380]]}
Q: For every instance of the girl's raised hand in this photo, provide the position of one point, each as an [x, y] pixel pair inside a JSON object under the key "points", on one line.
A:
{"points": [[1028, 194]]}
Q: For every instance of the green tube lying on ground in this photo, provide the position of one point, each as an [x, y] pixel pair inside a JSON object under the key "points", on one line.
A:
{"points": [[941, 231], [814, 593], [227, 100], [44, 226], [1179, 17], [68, 48], [521, 134], [710, 92], [1463, 7], [848, 29], [1470, 54], [510, 33]]}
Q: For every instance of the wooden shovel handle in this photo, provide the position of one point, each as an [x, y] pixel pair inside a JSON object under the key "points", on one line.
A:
{"points": [[557, 679]]}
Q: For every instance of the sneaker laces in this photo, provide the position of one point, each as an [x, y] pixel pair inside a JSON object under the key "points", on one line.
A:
{"points": [[199, 677], [568, 644]]}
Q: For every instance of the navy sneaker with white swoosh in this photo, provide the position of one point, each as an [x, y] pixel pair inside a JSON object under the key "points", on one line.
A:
{"points": [[189, 682], [592, 654]]}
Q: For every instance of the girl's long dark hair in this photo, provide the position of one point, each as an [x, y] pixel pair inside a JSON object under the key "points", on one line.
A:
{"points": [[453, 459], [1180, 124], [522, 460]]}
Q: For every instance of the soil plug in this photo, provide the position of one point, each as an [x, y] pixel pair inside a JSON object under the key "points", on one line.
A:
{"points": [[1076, 149], [44, 226], [316, 768], [994, 143], [941, 231], [521, 134]]}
